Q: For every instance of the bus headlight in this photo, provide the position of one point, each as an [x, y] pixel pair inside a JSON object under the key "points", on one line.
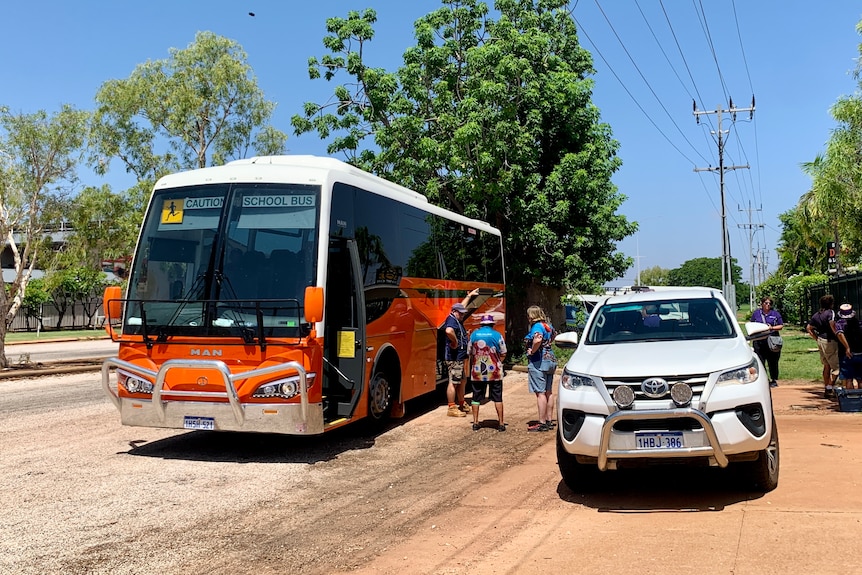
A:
{"points": [[134, 383], [284, 388]]}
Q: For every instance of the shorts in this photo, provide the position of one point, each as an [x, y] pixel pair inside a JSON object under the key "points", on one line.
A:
{"points": [[828, 353], [479, 388], [540, 382], [456, 370], [851, 368]]}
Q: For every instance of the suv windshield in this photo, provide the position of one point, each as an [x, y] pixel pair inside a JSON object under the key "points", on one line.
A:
{"points": [[665, 319]]}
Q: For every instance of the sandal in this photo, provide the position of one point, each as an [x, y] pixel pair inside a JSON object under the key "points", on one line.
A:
{"points": [[541, 426], [501, 428]]}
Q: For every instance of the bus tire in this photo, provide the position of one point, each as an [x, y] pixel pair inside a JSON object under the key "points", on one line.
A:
{"points": [[379, 397]]}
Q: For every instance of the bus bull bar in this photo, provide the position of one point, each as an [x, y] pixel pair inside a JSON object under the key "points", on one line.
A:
{"points": [[228, 378]]}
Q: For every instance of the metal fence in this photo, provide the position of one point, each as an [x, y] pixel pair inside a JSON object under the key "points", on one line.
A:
{"points": [[75, 317], [845, 289]]}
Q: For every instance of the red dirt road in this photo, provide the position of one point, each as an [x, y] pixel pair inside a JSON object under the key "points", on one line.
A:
{"points": [[663, 522]]}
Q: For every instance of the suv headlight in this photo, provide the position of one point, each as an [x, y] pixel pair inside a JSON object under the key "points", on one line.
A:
{"points": [[571, 380], [745, 374]]}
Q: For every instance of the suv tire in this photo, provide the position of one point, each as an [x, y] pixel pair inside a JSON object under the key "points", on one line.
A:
{"points": [[762, 473]]}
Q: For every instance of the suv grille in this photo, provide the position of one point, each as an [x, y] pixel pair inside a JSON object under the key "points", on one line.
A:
{"points": [[696, 382]]}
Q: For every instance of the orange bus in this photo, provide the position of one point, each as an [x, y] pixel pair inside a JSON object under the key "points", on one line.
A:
{"points": [[290, 294]]}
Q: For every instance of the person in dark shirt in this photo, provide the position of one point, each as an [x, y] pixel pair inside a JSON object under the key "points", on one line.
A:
{"points": [[456, 356], [849, 336], [821, 328]]}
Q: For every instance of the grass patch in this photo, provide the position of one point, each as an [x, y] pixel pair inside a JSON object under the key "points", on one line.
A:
{"points": [[31, 336], [800, 358]]}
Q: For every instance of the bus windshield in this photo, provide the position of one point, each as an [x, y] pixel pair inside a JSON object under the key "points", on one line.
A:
{"points": [[224, 260]]}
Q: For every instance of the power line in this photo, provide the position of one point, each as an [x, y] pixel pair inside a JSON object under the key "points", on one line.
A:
{"points": [[649, 86], [635, 100]]}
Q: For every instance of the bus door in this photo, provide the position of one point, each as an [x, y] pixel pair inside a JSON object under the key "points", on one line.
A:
{"points": [[344, 332]]}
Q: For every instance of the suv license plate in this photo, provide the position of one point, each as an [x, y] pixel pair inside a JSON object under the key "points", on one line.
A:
{"points": [[206, 423], [664, 440]]}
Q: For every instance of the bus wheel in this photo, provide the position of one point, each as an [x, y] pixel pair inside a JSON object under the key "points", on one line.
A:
{"points": [[380, 396]]}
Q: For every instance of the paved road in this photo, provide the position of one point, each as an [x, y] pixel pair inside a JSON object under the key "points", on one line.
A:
{"points": [[53, 351]]}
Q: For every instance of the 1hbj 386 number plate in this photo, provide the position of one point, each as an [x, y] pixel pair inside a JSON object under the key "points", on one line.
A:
{"points": [[659, 440]]}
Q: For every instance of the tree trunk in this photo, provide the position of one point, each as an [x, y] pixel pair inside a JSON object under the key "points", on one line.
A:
{"points": [[3, 361], [517, 302]]}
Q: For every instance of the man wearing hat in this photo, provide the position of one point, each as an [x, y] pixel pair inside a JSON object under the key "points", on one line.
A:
{"points": [[487, 351], [456, 355], [849, 335]]}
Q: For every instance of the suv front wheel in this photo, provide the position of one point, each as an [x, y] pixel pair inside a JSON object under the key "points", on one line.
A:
{"points": [[763, 472], [578, 477]]}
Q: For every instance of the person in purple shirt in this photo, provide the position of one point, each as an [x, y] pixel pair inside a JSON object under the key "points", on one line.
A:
{"points": [[766, 314]]}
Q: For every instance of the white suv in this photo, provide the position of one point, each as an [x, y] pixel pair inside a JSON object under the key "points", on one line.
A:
{"points": [[665, 376]]}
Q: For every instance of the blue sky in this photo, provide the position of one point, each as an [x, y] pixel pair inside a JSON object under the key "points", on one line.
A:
{"points": [[795, 57]]}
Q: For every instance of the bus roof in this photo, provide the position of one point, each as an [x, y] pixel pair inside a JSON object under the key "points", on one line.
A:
{"points": [[309, 169]]}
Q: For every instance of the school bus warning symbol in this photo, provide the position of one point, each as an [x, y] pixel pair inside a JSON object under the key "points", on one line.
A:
{"points": [[172, 212]]}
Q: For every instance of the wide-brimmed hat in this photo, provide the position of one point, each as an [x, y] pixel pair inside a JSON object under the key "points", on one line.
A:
{"points": [[487, 319], [846, 311], [459, 307]]}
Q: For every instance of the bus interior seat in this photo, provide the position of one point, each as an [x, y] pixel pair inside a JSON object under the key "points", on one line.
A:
{"points": [[244, 273], [286, 272]]}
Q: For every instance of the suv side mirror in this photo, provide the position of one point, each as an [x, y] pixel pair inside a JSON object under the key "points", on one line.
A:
{"points": [[566, 340], [756, 330]]}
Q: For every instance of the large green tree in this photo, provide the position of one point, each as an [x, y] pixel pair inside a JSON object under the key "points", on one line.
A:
{"points": [[199, 107], [655, 276], [706, 272], [490, 117], [38, 159]]}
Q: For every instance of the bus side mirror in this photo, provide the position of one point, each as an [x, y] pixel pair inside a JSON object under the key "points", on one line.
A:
{"points": [[112, 303], [313, 304]]}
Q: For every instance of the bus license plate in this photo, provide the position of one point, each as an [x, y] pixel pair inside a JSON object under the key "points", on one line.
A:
{"points": [[205, 423], [665, 440]]}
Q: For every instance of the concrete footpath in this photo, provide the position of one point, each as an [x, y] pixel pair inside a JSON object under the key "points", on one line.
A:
{"points": [[56, 356]]}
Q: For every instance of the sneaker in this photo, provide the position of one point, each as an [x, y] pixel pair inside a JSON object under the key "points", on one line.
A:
{"points": [[476, 427], [455, 412], [773, 384], [828, 393], [550, 424], [501, 427], [539, 427], [465, 408]]}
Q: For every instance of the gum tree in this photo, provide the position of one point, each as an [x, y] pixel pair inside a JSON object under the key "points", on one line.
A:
{"points": [[490, 117], [199, 107], [38, 157]]}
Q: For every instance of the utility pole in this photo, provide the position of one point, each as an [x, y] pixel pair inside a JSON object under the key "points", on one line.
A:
{"points": [[726, 266], [751, 230]]}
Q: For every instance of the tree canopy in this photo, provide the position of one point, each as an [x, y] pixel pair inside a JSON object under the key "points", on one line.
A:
{"points": [[832, 208], [199, 107], [491, 118], [706, 272]]}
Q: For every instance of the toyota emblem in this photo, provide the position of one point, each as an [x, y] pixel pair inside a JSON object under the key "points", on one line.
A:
{"points": [[655, 387]]}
